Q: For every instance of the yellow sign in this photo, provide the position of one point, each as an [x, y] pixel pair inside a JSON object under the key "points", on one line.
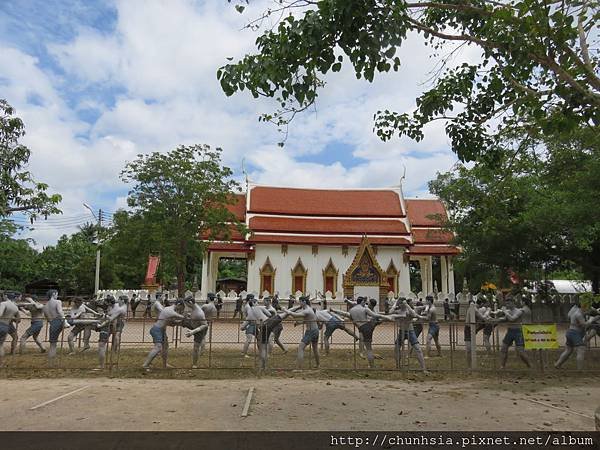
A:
{"points": [[540, 337]]}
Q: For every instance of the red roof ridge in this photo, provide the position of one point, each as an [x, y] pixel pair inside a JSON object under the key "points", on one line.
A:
{"points": [[390, 188], [433, 199]]}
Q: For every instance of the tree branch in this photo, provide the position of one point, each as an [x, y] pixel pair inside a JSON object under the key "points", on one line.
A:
{"points": [[455, 7], [19, 208], [544, 61], [587, 62]]}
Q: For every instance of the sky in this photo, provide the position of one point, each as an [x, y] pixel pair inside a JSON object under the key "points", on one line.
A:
{"points": [[99, 82]]}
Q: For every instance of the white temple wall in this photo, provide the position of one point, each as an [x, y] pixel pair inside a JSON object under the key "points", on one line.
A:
{"points": [[396, 254], [315, 264], [285, 263]]}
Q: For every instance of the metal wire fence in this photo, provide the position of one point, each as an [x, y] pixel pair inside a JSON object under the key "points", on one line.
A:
{"points": [[225, 340]]}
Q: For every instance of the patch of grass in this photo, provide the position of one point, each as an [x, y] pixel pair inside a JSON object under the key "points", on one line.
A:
{"points": [[342, 363]]}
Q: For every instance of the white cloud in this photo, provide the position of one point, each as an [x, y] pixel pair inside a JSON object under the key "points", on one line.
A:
{"points": [[276, 166], [162, 59]]}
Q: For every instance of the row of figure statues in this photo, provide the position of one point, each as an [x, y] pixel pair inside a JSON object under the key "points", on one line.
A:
{"points": [[263, 323]]}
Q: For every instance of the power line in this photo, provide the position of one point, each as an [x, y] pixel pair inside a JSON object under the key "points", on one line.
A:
{"points": [[51, 219], [55, 217], [51, 227], [48, 226], [61, 219], [52, 224], [59, 222]]}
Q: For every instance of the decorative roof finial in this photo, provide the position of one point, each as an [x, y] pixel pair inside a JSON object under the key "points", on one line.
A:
{"points": [[403, 177], [245, 173]]}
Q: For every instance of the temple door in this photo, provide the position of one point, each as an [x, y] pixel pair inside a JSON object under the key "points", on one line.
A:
{"points": [[329, 284], [267, 283], [298, 283]]}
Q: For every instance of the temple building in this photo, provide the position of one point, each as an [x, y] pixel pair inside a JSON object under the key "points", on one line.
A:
{"points": [[345, 241]]}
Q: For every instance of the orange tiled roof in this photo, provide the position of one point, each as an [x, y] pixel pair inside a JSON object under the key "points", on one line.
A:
{"points": [[241, 247], [382, 206], [431, 236], [326, 240], [433, 250], [239, 208], [234, 235], [419, 210], [325, 202], [327, 226]]}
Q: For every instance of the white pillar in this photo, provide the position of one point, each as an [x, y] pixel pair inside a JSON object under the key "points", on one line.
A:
{"points": [[204, 280], [213, 273], [450, 275], [403, 276], [429, 264], [444, 267], [251, 277], [423, 272]]}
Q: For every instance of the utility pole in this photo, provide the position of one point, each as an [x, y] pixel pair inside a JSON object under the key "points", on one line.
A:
{"points": [[97, 281]]}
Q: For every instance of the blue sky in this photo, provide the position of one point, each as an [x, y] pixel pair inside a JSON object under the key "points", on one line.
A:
{"points": [[98, 82]]}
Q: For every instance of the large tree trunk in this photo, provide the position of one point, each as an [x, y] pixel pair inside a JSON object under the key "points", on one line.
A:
{"points": [[181, 255], [180, 282]]}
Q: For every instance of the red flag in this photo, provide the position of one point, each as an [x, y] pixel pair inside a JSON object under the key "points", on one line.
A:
{"points": [[153, 262]]}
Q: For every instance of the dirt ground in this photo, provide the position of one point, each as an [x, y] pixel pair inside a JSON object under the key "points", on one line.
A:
{"points": [[299, 404]]}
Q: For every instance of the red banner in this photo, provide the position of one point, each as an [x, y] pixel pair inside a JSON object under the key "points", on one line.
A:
{"points": [[153, 262]]}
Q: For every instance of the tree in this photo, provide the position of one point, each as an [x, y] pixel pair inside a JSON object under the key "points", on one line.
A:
{"points": [[134, 236], [185, 193], [19, 192], [538, 70], [72, 261], [129, 242], [566, 208], [487, 206], [533, 212], [233, 268], [18, 263]]}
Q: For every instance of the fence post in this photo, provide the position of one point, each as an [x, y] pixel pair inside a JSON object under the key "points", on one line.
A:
{"points": [[62, 341], [110, 349], [143, 329], [395, 340], [355, 332], [494, 355], [309, 349], [210, 333], [119, 351], [322, 337], [451, 334], [470, 321], [400, 347], [256, 359]]}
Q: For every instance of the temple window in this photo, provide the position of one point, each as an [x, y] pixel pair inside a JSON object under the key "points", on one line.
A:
{"points": [[267, 277], [299, 274], [392, 277], [330, 274]]}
